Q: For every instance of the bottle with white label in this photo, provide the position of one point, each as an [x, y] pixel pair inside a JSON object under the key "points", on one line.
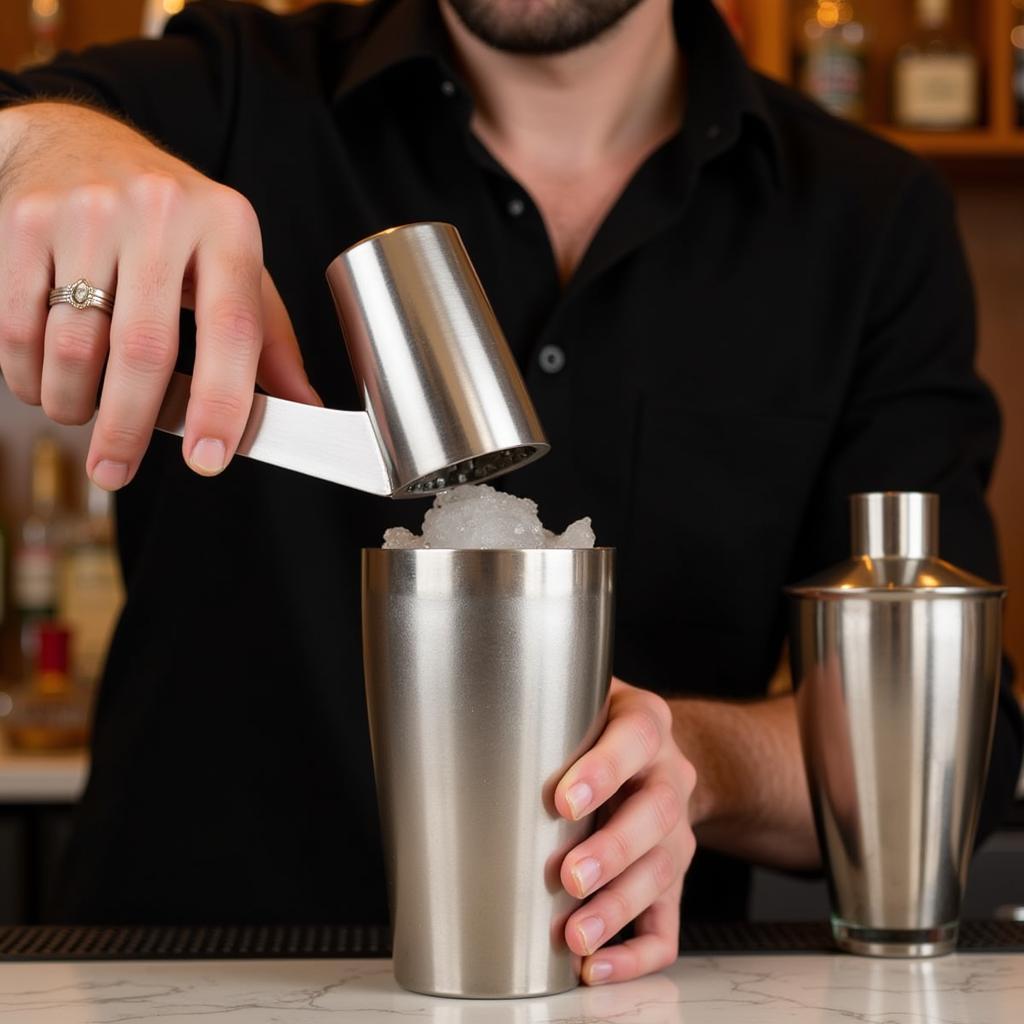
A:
{"points": [[36, 556], [935, 76], [90, 592]]}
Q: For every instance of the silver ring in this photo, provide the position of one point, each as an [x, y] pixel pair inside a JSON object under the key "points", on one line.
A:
{"points": [[81, 294]]}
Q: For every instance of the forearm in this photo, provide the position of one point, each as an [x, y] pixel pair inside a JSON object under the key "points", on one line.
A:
{"points": [[751, 799], [55, 129], [13, 128]]}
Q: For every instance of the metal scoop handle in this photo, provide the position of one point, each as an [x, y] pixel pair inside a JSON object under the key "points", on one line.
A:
{"points": [[333, 444]]}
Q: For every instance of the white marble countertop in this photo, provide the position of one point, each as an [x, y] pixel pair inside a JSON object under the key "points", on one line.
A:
{"points": [[756, 989]]}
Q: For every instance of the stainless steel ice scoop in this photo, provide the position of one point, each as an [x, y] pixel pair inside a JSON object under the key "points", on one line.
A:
{"points": [[445, 402]]}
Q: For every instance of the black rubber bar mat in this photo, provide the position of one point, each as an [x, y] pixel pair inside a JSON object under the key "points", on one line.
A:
{"points": [[208, 942], [56, 942], [816, 937]]}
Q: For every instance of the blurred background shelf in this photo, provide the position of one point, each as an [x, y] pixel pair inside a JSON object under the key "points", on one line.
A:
{"points": [[770, 28]]}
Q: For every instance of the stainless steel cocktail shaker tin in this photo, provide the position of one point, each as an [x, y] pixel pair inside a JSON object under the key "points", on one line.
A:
{"points": [[896, 659], [487, 675]]}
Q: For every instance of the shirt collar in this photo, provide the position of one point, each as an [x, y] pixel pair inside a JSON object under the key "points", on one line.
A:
{"points": [[401, 32], [724, 100]]}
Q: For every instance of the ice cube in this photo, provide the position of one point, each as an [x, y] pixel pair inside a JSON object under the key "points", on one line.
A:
{"points": [[577, 535], [481, 517], [400, 537], [478, 516]]}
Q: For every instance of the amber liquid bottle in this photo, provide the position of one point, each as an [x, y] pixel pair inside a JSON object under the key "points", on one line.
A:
{"points": [[832, 57], [935, 75], [50, 713]]}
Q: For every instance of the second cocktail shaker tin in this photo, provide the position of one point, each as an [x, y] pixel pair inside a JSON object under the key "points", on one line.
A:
{"points": [[896, 658]]}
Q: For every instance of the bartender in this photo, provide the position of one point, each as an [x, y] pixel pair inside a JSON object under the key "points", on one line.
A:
{"points": [[731, 311]]}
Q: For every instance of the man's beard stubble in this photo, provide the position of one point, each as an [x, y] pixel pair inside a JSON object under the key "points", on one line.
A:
{"points": [[539, 26]]}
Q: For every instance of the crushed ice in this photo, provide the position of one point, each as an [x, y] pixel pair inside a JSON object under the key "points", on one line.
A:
{"points": [[478, 516]]}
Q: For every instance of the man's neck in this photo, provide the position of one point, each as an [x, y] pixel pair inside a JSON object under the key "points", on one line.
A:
{"points": [[566, 113]]}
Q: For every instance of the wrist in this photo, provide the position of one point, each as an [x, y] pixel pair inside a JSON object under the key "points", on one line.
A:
{"points": [[751, 796], [694, 729]]}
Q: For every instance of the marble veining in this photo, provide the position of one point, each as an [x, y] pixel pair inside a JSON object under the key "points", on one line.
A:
{"points": [[755, 989]]}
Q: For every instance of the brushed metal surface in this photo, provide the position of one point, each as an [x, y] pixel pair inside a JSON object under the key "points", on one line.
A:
{"points": [[442, 390], [904, 524], [487, 675], [331, 444], [445, 402], [897, 688], [894, 538]]}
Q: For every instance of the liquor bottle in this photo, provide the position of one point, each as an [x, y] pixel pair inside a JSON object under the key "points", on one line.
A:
{"points": [[50, 713], [90, 592], [935, 75], [832, 57], [34, 563], [45, 18], [1017, 41]]}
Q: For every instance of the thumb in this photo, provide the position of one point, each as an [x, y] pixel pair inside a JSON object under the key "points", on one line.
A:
{"points": [[280, 372]]}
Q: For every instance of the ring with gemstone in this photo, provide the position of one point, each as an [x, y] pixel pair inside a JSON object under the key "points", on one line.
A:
{"points": [[81, 294]]}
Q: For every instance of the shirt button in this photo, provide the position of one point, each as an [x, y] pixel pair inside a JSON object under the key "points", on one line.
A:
{"points": [[448, 88], [714, 131], [551, 358], [516, 207]]}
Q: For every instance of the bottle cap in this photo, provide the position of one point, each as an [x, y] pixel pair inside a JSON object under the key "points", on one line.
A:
{"points": [[54, 644]]}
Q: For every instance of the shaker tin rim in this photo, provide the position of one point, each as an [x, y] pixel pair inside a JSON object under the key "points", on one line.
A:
{"points": [[602, 551]]}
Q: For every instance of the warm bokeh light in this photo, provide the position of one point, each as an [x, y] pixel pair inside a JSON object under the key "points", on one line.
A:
{"points": [[828, 15], [173, 6], [45, 8]]}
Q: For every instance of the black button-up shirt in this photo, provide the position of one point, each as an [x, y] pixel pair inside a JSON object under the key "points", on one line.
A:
{"points": [[775, 314]]}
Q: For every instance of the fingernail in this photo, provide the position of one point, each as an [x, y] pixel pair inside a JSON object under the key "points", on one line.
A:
{"points": [[579, 796], [208, 456], [590, 929], [110, 475], [586, 873], [598, 971]]}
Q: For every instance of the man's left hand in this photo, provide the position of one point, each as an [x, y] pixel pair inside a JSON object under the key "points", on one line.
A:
{"points": [[635, 862]]}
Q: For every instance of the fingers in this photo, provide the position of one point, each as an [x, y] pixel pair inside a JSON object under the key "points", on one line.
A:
{"points": [[618, 903], [76, 341], [228, 269], [26, 272], [281, 372], [655, 946], [643, 821], [143, 333], [639, 723]]}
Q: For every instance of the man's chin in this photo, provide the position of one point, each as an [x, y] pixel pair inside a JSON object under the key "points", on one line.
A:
{"points": [[539, 27]]}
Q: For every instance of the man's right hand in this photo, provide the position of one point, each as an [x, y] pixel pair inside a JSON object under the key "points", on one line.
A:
{"points": [[84, 196]]}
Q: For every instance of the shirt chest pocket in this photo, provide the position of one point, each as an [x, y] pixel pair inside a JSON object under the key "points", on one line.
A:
{"points": [[717, 503]]}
